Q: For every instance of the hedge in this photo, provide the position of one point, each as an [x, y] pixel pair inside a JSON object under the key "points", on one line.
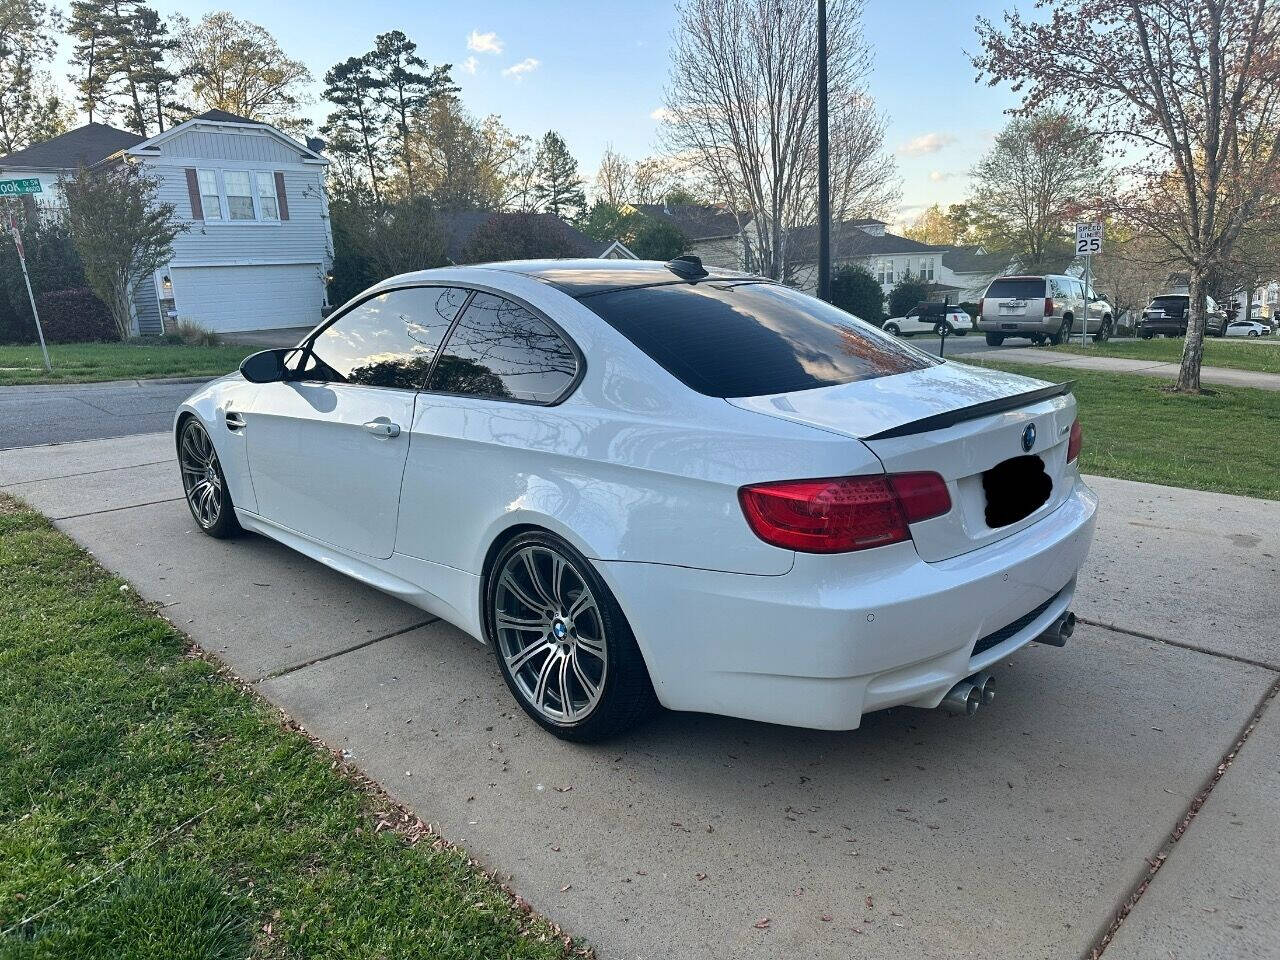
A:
{"points": [[75, 316]]}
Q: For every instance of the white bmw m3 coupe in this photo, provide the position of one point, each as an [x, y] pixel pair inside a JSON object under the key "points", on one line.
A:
{"points": [[646, 482]]}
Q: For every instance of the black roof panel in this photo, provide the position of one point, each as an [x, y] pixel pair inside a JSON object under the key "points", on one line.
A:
{"points": [[582, 278]]}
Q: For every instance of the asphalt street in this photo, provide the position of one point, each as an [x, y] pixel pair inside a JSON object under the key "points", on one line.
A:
{"points": [[1018, 833], [52, 413]]}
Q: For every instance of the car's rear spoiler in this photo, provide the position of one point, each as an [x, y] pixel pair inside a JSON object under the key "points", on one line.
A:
{"points": [[951, 417]]}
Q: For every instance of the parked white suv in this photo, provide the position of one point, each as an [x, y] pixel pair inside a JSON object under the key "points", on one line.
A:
{"points": [[1041, 308], [927, 318]]}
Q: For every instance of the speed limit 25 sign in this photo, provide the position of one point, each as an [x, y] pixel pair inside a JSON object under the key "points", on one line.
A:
{"points": [[1088, 238]]}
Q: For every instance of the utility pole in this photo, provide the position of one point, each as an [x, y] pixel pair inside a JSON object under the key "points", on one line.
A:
{"points": [[824, 192]]}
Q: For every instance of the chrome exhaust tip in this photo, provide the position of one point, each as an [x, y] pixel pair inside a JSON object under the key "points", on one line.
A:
{"points": [[986, 686], [962, 700], [1060, 631]]}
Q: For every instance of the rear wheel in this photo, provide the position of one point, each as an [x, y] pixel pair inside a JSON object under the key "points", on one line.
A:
{"points": [[1253, 333], [208, 498], [943, 329], [1147, 335], [893, 329], [563, 646], [994, 339], [1063, 334]]}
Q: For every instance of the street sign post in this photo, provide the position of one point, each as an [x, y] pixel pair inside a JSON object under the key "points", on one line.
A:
{"points": [[22, 259], [20, 188], [1088, 242]]}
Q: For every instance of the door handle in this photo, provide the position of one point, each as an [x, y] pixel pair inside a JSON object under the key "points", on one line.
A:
{"points": [[383, 428], [234, 421]]}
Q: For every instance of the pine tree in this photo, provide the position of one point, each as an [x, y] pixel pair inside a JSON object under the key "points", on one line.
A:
{"points": [[404, 90], [558, 188], [150, 52], [121, 61], [90, 80], [354, 128], [29, 108]]}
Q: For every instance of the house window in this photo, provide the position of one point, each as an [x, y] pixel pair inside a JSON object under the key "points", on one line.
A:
{"points": [[268, 205], [888, 272], [239, 194], [210, 196], [926, 268]]}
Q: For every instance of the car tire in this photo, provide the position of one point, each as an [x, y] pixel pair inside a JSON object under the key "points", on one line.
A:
{"points": [[941, 328], [1253, 333], [574, 624], [1063, 334], [994, 339], [1104, 331], [892, 328], [203, 483], [1146, 335]]}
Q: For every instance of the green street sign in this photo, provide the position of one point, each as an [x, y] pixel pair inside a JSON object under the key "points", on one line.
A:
{"points": [[18, 188]]}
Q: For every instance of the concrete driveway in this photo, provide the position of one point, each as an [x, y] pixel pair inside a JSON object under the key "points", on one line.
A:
{"points": [[1019, 833]]}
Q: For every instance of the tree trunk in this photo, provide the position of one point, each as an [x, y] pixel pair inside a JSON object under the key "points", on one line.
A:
{"points": [[1193, 348], [1248, 305]]}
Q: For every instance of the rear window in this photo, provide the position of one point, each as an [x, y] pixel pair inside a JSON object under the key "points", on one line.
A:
{"points": [[1017, 288], [1169, 304], [747, 339]]}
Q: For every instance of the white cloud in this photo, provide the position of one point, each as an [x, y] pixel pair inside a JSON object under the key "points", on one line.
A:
{"points": [[527, 65], [661, 114], [470, 65], [938, 176], [484, 42], [927, 143]]}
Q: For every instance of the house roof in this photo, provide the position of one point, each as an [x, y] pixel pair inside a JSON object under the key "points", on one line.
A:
{"points": [[460, 225], [222, 116], [974, 259], [82, 146], [849, 241], [696, 221]]}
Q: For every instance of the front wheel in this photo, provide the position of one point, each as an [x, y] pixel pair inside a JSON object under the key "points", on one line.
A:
{"points": [[563, 646], [1104, 331], [994, 339], [204, 483], [1253, 333], [1147, 335]]}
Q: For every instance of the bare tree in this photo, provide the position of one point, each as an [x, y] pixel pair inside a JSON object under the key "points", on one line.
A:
{"points": [[1191, 89], [742, 111], [615, 179], [1134, 268]]}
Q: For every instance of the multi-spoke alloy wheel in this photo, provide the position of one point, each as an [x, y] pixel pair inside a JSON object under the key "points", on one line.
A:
{"points": [[204, 482], [562, 644]]}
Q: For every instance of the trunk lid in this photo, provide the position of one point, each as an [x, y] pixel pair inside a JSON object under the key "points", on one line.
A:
{"points": [[961, 422]]}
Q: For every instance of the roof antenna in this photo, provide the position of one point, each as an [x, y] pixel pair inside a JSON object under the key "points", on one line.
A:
{"points": [[687, 267]]}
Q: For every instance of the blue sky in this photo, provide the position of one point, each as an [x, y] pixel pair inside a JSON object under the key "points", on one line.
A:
{"points": [[598, 70]]}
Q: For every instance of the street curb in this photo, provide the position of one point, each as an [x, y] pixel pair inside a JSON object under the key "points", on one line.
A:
{"points": [[102, 384]]}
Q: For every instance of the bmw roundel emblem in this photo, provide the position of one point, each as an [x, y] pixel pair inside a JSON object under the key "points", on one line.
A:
{"points": [[1029, 437]]}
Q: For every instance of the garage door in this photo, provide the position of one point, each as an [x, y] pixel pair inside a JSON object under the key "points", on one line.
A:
{"points": [[225, 299]]}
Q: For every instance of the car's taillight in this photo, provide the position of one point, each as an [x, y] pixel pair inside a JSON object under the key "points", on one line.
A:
{"points": [[1075, 441], [1048, 306], [840, 514]]}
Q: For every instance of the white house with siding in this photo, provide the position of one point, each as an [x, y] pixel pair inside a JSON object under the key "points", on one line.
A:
{"points": [[258, 248]]}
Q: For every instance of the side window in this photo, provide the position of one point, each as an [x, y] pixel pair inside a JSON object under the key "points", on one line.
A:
{"points": [[501, 350], [387, 341]]}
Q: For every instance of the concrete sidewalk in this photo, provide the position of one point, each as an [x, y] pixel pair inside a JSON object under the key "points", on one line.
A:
{"points": [[1016, 834], [1147, 368]]}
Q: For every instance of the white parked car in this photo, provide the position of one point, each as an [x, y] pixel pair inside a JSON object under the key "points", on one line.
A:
{"points": [[638, 481], [1247, 328], [927, 318]]}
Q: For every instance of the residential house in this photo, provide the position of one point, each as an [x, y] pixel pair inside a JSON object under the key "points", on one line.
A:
{"points": [[258, 248], [713, 232], [459, 226], [60, 157]]}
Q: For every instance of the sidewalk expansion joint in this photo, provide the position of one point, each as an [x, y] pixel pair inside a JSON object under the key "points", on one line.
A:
{"points": [[1154, 864], [1194, 647], [127, 506], [86, 473], [285, 671]]}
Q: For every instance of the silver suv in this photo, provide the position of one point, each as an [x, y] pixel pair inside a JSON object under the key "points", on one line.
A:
{"points": [[1041, 308]]}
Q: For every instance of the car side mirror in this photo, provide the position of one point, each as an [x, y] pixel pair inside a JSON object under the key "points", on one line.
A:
{"points": [[269, 366]]}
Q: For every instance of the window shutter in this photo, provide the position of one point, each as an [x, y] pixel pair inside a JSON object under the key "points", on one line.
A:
{"points": [[193, 191], [281, 200]]}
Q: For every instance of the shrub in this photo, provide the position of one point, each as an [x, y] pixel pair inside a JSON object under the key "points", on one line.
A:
{"points": [[909, 292], [856, 291], [192, 334], [74, 316]]}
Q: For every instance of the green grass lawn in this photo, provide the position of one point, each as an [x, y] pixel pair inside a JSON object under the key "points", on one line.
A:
{"points": [[1135, 429], [83, 362], [113, 733], [1263, 355]]}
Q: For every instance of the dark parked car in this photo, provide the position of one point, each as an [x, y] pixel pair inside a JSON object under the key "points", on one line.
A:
{"points": [[1167, 314]]}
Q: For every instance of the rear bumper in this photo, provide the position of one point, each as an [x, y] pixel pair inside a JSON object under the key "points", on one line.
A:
{"points": [[1017, 325], [839, 636]]}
